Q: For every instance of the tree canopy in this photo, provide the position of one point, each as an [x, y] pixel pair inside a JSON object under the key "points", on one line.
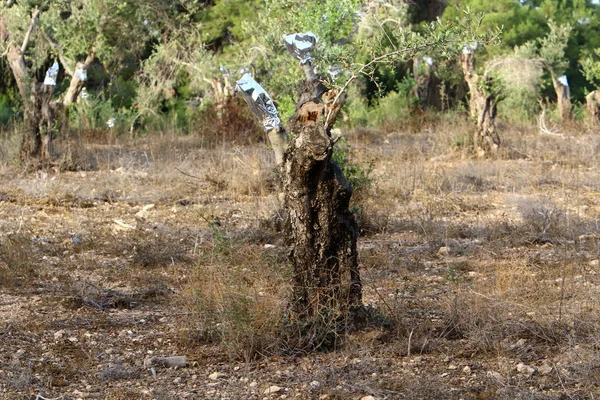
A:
{"points": [[150, 57]]}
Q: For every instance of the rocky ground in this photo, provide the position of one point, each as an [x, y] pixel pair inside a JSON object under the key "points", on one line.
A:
{"points": [[483, 275]]}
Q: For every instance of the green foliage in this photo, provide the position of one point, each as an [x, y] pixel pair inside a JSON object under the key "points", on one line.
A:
{"points": [[553, 46], [590, 67], [7, 112], [359, 177], [520, 23], [222, 23]]}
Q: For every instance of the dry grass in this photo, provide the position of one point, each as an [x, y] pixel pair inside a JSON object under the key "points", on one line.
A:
{"points": [[490, 263]]}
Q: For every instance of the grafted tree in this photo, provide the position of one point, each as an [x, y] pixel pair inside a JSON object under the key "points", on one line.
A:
{"points": [[484, 95], [427, 89], [38, 114], [552, 54], [591, 71], [77, 33], [320, 228]]}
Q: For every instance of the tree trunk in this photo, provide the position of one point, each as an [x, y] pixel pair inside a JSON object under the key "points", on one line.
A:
{"points": [[563, 95], [482, 106], [486, 138], [16, 61], [40, 118], [321, 230], [592, 103], [427, 90], [76, 82]]}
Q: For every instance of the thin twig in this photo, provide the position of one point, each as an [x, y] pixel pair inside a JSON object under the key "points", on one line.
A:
{"points": [[34, 20], [186, 174]]}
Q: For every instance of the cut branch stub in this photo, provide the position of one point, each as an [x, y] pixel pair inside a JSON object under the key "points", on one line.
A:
{"points": [[320, 229], [563, 95], [262, 106]]}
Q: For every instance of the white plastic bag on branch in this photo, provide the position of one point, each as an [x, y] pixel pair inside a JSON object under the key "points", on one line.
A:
{"points": [[51, 75], [563, 80], [259, 102], [470, 48], [81, 73], [300, 45]]}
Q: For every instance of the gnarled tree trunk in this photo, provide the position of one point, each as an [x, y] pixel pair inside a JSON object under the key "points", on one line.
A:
{"points": [[563, 95], [592, 103], [321, 229], [427, 91], [40, 119], [482, 106]]}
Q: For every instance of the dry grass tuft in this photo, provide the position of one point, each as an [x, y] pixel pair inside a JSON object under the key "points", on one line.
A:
{"points": [[237, 288]]}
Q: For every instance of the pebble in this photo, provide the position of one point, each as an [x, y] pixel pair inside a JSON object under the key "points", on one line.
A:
{"points": [[217, 375], [368, 398], [545, 369], [273, 389], [525, 369]]}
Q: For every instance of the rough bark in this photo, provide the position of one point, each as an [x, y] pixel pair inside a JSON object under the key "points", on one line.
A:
{"points": [[321, 230], [563, 95], [482, 106], [427, 90], [76, 83], [16, 62], [592, 103], [40, 119]]}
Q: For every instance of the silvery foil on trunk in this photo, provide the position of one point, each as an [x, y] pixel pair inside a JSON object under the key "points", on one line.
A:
{"points": [[334, 72], [300, 45], [51, 75], [259, 102]]}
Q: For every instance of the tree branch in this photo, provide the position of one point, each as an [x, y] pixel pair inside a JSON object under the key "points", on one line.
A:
{"points": [[34, 20], [61, 55], [363, 70]]}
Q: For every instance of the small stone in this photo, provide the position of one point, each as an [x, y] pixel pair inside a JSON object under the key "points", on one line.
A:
{"points": [[273, 389], [545, 369], [445, 374], [452, 366], [525, 369], [253, 384], [217, 375], [177, 380], [315, 384], [143, 213], [594, 263], [369, 397], [467, 370], [59, 334], [495, 375], [444, 251]]}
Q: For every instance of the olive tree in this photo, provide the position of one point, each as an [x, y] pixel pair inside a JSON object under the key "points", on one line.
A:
{"points": [[76, 33], [552, 55], [320, 228], [591, 70]]}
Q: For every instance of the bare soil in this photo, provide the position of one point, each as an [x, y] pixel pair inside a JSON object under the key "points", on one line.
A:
{"points": [[482, 275]]}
